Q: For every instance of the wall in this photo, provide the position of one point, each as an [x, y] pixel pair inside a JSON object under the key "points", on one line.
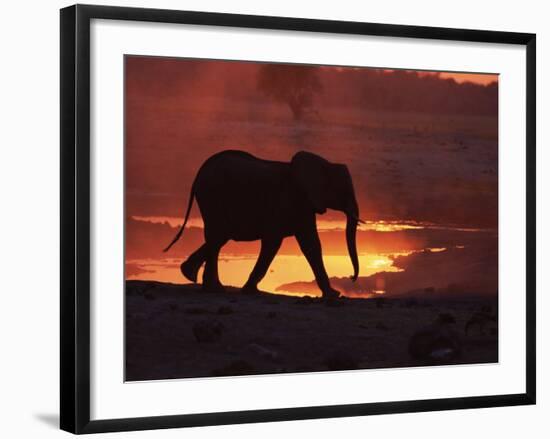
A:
{"points": [[30, 205]]}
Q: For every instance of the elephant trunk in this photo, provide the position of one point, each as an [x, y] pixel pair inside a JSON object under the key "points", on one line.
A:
{"points": [[351, 233]]}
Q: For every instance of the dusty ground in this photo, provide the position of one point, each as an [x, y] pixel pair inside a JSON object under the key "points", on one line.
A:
{"points": [[177, 331]]}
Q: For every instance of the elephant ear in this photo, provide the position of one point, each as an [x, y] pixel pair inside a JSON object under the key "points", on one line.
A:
{"points": [[309, 172]]}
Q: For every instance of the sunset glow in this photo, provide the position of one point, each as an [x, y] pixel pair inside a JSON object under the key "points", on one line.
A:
{"points": [[422, 168], [483, 79], [234, 270], [476, 78]]}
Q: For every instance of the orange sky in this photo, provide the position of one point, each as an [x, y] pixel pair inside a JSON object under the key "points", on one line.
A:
{"points": [[476, 78], [471, 77], [410, 167]]}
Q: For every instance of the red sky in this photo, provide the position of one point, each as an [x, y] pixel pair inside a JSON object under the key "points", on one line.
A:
{"points": [[418, 149]]}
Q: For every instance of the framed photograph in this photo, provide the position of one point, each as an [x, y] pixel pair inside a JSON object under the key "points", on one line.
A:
{"points": [[268, 218]]}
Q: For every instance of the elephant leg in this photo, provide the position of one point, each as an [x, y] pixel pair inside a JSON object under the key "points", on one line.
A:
{"points": [[308, 240], [270, 247], [210, 279], [190, 267]]}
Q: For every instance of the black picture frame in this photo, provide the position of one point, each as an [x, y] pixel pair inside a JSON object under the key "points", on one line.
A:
{"points": [[75, 217]]}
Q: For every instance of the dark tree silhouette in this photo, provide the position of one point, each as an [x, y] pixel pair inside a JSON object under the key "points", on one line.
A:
{"points": [[292, 85]]}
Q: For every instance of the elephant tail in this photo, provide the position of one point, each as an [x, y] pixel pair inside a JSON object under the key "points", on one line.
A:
{"points": [[180, 231]]}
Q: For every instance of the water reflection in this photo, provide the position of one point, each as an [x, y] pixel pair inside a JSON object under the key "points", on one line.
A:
{"points": [[234, 269]]}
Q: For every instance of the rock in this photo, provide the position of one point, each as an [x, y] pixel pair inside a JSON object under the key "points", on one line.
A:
{"points": [[135, 290], [333, 303], [437, 343], [239, 367], [445, 318], [267, 341], [263, 352], [208, 331], [341, 360], [132, 291], [305, 300], [196, 311], [224, 310], [481, 320], [138, 316]]}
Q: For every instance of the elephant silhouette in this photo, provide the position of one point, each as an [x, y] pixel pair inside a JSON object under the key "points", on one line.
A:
{"points": [[244, 198]]}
